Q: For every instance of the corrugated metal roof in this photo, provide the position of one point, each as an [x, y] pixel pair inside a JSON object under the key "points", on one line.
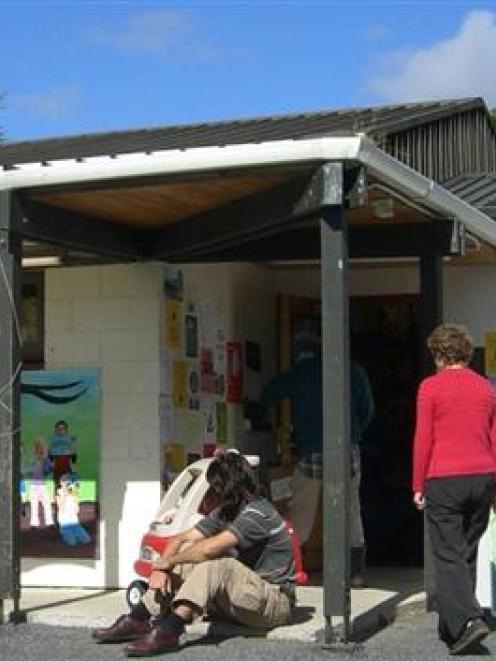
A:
{"points": [[382, 119], [478, 190]]}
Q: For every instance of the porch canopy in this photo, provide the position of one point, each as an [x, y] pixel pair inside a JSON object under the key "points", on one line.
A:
{"points": [[326, 198]]}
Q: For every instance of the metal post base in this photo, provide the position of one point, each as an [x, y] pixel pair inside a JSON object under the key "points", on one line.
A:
{"points": [[18, 617], [342, 648], [14, 616]]}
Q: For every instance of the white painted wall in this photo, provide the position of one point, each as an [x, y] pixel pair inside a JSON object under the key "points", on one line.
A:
{"points": [[470, 298], [109, 317], [469, 291]]}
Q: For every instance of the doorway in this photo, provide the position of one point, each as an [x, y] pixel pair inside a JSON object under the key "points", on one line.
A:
{"points": [[385, 340]]}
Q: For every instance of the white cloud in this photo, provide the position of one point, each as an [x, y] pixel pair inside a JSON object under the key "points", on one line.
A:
{"points": [[460, 66], [160, 32], [55, 103]]}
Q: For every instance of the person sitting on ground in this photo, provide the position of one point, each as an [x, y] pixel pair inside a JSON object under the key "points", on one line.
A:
{"points": [[237, 563]]}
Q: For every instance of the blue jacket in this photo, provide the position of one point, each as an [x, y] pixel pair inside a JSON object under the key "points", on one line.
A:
{"points": [[302, 384]]}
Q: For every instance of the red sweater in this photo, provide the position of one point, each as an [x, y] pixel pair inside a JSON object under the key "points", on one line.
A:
{"points": [[456, 426]]}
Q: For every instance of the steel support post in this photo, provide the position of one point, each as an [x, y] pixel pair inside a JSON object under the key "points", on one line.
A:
{"points": [[336, 422], [431, 308], [10, 380]]}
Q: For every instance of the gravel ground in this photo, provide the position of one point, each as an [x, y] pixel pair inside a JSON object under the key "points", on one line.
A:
{"points": [[410, 639]]}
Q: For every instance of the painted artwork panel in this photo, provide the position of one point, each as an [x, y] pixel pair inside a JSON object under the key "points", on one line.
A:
{"points": [[60, 463]]}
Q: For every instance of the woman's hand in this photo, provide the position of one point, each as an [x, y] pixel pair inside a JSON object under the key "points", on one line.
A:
{"points": [[419, 500]]}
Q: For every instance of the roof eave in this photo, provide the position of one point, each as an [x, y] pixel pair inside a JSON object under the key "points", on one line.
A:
{"points": [[356, 148]]}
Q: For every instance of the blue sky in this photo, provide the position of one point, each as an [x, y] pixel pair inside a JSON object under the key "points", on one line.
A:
{"points": [[83, 66]]}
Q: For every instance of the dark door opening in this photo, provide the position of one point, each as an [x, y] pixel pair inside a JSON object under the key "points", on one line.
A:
{"points": [[385, 336]]}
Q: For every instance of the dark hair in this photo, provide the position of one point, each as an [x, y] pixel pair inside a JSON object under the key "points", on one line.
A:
{"points": [[231, 477], [60, 423], [451, 344]]}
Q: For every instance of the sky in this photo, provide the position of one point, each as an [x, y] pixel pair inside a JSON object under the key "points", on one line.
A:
{"points": [[83, 66]]}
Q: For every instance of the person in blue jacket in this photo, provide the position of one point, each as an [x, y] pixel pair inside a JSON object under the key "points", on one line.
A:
{"points": [[302, 384]]}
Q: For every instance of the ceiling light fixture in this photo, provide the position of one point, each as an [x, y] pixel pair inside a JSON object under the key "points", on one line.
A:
{"points": [[40, 262]]}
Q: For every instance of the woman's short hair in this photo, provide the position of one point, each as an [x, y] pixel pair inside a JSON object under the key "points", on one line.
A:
{"points": [[451, 344]]}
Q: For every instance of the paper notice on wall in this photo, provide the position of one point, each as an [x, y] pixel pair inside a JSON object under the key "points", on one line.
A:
{"points": [[207, 382], [210, 423], [221, 411], [173, 323], [180, 383], [235, 375], [194, 386], [189, 428], [173, 283], [191, 335], [175, 457], [490, 353], [193, 429], [220, 352]]}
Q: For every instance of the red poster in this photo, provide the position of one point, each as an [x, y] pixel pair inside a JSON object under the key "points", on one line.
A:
{"points": [[207, 383], [234, 376]]}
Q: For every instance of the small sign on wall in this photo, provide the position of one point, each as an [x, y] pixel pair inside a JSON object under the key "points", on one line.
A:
{"points": [[234, 372], [491, 353]]}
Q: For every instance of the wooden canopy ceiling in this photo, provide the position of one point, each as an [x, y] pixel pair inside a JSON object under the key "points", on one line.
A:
{"points": [[223, 216], [150, 206]]}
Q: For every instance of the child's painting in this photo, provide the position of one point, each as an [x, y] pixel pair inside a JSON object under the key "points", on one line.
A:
{"points": [[60, 461]]}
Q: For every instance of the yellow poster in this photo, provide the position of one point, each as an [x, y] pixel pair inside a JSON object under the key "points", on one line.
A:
{"points": [[175, 457], [491, 353], [173, 323], [180, 384]]}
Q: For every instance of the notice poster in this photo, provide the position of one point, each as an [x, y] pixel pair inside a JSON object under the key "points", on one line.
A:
{"points": [[60, 463], [180, 383], [173, 283], [191, 335], [491, 353], [207, 376], [234, 376], [194, 387], [173, 323]]}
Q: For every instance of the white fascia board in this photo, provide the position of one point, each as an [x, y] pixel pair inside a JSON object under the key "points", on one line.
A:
{"points": [[236, 157], [198, 159]]}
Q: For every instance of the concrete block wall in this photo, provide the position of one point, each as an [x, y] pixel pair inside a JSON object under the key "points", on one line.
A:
{"points": [[109, 317]]}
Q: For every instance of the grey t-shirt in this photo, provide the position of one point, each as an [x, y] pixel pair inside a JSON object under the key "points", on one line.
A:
{"points": [[264, 543]]}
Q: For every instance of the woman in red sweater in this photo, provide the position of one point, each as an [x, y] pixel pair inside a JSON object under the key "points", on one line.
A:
{"points": [[454, 478]]}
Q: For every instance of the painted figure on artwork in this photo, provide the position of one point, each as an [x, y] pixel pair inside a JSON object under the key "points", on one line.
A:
{"points": [[71, 530]]}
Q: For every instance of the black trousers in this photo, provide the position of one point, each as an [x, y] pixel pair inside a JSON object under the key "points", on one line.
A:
{"points": [[457, 511]]}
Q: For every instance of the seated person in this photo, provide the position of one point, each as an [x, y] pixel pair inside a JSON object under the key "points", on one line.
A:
{"points": [[237, 562]]}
